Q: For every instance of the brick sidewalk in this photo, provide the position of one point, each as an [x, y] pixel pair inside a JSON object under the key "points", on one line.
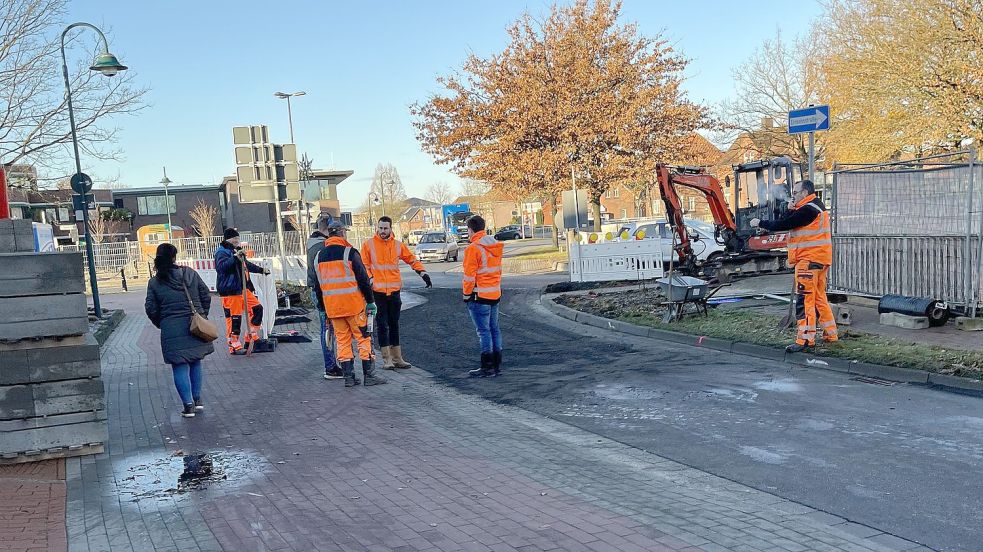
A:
{"points": [[406, 466], [32, 507]]}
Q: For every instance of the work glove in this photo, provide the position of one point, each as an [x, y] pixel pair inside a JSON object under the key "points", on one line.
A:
{"points": [[468, 297], [266, 272], [426, 279], [755, 222], [371, 309]]}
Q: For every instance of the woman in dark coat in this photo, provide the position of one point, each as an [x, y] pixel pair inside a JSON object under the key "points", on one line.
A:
{"points": [[167, 307]]}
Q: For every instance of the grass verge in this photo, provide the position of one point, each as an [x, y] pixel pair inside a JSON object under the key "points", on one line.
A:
{"points": [[758, 325], [545, 253]]}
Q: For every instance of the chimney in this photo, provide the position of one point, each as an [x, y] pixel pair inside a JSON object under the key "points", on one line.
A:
{"points": [[767, 123]]}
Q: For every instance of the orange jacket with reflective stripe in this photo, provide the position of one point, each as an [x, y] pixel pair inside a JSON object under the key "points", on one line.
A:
{"points": [[483, 267], [338, 271], [382, 258], [814, 241]]}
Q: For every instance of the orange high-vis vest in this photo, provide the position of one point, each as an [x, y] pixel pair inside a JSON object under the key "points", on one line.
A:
{"points": [[339, 287], [381, 258], [483, 267], [814, 241]]}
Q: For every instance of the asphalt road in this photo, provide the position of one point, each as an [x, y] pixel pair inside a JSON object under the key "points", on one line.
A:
{"points": [[900, 458]]}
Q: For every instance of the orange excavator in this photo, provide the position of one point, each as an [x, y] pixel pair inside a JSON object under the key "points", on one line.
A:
{"points": [[764, 187]]}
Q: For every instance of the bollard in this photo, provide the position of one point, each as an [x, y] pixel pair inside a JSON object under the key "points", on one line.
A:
{"points": [[122, 273]]}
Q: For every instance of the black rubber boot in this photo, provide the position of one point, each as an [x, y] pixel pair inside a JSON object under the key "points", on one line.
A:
{"points": [[348, 369], [487, 367], [368, 370], [797, 348], [497, 362]]}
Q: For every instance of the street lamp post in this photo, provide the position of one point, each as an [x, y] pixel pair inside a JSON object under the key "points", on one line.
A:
{"points": [[290, 122], [167, 205], [290, 116], [107, 64]]}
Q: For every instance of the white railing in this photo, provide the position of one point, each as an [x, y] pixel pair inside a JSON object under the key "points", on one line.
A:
{"points": [[616, 260]]}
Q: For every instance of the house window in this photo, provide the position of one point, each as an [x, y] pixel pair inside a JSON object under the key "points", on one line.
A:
{"points": [[607, 194], [155, 205], [63, 214], [624, 213], [617, 192], [692, 204]]}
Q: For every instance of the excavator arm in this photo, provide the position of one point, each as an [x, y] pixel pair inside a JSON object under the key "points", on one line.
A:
{"points": [[699, 180]]}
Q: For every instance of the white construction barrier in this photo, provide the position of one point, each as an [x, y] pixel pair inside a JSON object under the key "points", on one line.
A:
{"points": [[205, 268], [616, 260]]}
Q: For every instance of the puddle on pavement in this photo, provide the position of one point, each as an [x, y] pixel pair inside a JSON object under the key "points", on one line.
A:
{"points": [[783, 385], [152, 477]]}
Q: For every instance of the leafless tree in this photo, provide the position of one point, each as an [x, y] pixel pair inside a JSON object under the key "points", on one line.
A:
{"points": [[102, 228], [474, 188], [34, 124], [387, 184], [439, 192], [772, 82], [204, 216]]}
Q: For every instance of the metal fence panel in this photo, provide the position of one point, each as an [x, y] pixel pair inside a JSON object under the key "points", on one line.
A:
{"points": [[911, 230]]}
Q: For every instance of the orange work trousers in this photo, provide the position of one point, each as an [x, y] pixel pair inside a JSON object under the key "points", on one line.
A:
{"points": [[233, 306], [348, 328], [811, 304]]}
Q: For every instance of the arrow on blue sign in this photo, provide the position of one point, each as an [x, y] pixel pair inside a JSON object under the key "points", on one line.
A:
{"points": [[809, 119]]}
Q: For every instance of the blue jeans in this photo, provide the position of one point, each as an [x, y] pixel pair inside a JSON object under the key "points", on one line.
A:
{"points": [[327, 337], [485, 318], [187, 380]]}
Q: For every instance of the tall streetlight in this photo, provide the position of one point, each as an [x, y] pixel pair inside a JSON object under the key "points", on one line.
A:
{"points": [[107, 64], [290, 121], [290, 116], [167, 204]]}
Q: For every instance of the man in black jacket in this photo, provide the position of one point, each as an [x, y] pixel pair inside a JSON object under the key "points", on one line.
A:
{"points": [[229, 262]]}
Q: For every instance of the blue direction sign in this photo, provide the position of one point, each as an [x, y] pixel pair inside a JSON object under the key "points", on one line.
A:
{"points": [[809, 119]]}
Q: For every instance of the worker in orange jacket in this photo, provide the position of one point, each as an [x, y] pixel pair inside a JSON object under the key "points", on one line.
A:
{"points": [[482, 288], [382, 254], [810, 251], [346, 299]]}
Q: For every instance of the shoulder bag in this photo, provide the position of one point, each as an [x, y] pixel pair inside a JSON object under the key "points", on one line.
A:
{"points": [[201, 327]]}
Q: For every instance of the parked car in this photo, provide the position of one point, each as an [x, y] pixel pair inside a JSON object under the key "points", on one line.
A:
{"points": [[414, 237], [512, 232], [701, 233], [438, 246]]}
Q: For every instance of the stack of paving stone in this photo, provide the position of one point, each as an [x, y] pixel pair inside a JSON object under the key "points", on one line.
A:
{"points": [[52, 402]]}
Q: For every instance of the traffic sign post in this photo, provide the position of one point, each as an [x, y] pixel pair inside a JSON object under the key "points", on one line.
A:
{"points": [[809, 120], [81, 183], [261, 168]]}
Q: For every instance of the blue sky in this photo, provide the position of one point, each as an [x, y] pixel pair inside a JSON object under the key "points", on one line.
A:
{"points": [[212, 65]]}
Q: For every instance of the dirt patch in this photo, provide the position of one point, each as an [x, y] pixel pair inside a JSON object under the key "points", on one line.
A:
{"points": [[757, 322]]}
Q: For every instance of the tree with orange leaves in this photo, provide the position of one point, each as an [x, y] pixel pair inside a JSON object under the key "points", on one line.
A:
{"points": [[579, 91]]}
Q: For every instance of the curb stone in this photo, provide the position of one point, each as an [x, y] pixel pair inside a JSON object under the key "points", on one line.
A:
{"points": [[890, 373], [105, 329]]}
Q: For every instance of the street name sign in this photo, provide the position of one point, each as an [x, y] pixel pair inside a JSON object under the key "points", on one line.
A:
{"points": [[809, 119]]}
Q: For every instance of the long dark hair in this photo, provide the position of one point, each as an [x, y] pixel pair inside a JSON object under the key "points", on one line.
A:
{"points": [[164, 261]]}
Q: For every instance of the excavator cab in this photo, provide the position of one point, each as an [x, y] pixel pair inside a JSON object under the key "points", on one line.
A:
{"points": [[761, 189]]}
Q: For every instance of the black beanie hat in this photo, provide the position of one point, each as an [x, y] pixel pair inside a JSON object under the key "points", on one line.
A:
{"points": [[230, 233]]}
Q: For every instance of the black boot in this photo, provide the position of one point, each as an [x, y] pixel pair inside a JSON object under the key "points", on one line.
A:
{"points": [[798, 348], [368, 370], [497, 362], [348, 369], [487, 367]]}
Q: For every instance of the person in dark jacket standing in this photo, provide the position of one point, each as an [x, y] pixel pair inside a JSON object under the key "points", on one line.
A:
{"points": [[229, 260], [167, 308], [314, 246]]}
